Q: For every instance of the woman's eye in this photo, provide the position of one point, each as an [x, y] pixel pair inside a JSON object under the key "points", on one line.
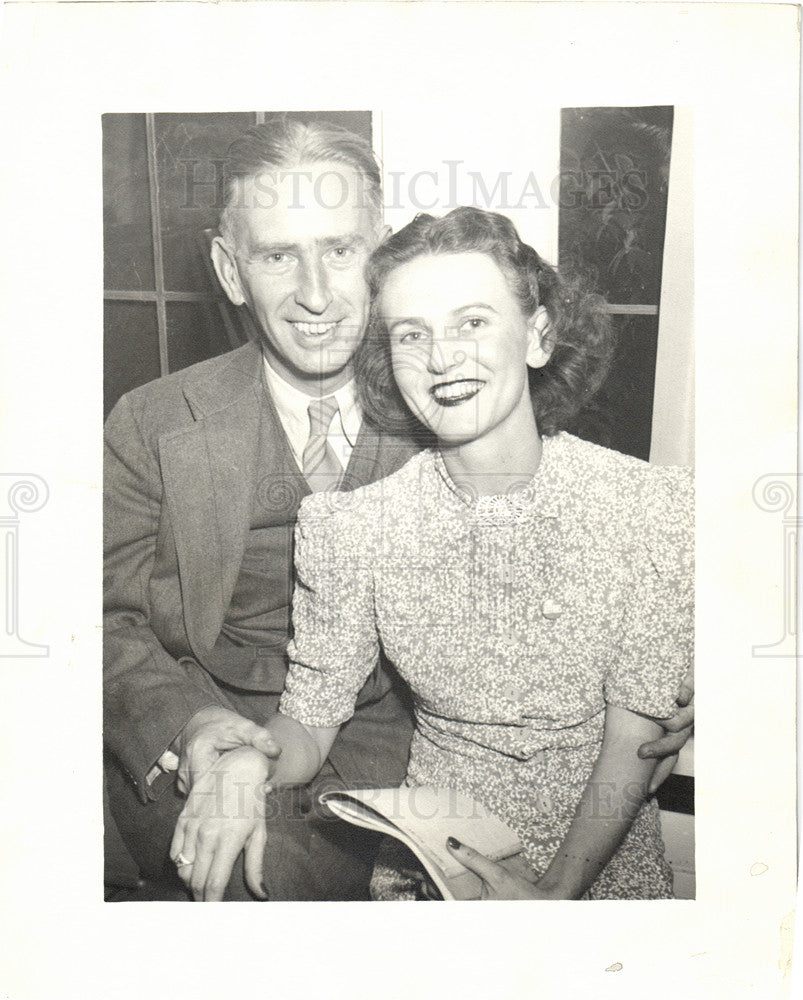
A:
{"points": [[474, 323], [411, 336]]}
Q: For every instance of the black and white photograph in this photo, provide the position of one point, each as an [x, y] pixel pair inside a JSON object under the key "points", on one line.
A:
{"points": [[417, 522], [532, 606]]}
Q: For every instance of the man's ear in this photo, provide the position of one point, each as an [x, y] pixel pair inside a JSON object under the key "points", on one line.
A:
{"points": [[541, 342], [226, 270]]}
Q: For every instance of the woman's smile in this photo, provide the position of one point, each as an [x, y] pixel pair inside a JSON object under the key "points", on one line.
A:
{"points": [[456, 392]]}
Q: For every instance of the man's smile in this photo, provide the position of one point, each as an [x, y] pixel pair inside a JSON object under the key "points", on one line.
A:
{"points": [[314, 329], [457, 392]]}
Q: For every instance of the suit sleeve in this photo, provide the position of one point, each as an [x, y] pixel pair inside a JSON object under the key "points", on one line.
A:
{"points": [[148, 697]]}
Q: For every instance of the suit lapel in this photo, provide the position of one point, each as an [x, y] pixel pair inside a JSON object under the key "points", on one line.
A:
{"points": [[376, 455], [210, 473], [283, 485], [212, 469]]}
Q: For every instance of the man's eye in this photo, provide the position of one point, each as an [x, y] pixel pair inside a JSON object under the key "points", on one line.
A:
{"points": [[277, 260], [342, 255]]}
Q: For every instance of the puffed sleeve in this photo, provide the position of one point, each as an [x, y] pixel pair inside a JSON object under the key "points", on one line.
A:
{"points": [[657, 632], [335, 645]]}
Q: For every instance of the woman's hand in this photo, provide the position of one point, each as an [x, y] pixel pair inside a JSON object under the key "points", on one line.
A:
{"points": [[513, 881], [224, 814]]}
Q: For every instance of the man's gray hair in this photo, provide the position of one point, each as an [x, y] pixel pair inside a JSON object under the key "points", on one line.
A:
{"points": [[285, 143]]}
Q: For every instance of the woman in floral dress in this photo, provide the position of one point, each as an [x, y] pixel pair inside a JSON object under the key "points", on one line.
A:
{"points": [[534, 590]]}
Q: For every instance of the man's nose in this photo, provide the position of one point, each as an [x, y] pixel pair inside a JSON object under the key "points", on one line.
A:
{"points": [[313, 291]]}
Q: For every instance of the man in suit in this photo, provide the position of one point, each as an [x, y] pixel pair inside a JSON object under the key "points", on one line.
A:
{"points": [[204, 472]]}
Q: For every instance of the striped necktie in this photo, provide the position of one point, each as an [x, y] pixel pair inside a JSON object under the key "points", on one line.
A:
{"points": [[322, 470]]}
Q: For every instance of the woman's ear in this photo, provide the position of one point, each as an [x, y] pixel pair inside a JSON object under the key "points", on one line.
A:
{"points": [[226, 270], [541, 341]]}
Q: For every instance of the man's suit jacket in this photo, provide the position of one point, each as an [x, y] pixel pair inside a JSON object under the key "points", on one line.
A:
{"points": [[184, 459]]}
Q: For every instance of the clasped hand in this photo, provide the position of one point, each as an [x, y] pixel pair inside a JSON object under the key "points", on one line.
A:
{"points": [[211, 732], [224, 762], [224, 815]]}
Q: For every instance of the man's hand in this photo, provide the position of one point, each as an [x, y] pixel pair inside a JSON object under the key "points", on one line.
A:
{"points": [[677, 730], [224, 814], [211, 732]]}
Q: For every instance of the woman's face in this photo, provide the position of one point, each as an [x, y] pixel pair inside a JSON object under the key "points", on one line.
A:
{"points": [[460, 345]]}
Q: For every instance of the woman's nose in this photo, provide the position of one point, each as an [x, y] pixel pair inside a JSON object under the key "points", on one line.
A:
{"points": [[313, 291], [445, 353]]}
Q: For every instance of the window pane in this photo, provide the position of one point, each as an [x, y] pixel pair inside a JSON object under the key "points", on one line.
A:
{"points": [[190, 149], [614, 177], [130, 347], [195, 331], [127, 240], [621, 417]]}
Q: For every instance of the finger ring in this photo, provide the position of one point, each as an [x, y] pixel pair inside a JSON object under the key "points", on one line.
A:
{"points": [[182, 862]]}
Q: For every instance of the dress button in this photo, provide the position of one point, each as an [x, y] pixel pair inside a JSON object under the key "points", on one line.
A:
{"points": [[510, 637], [543, 802], [511, 692], [551, 609]]}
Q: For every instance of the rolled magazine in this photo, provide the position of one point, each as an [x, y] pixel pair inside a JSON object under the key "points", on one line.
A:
{"points": [[422, 817]]}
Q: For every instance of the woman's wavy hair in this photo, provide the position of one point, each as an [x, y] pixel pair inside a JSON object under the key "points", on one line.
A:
{"points": [[579, 329]]}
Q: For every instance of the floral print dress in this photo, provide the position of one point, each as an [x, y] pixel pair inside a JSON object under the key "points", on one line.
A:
{"points": [[514, 619]]}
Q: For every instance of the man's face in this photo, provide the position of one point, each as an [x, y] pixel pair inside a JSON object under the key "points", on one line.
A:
{"points": [[302, 237]]}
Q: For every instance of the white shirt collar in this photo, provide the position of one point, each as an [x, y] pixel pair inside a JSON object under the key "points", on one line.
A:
{"points": [[292, 404]]}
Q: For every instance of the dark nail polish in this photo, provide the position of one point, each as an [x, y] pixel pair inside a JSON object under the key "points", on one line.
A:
{"points": [[454, 844]]}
